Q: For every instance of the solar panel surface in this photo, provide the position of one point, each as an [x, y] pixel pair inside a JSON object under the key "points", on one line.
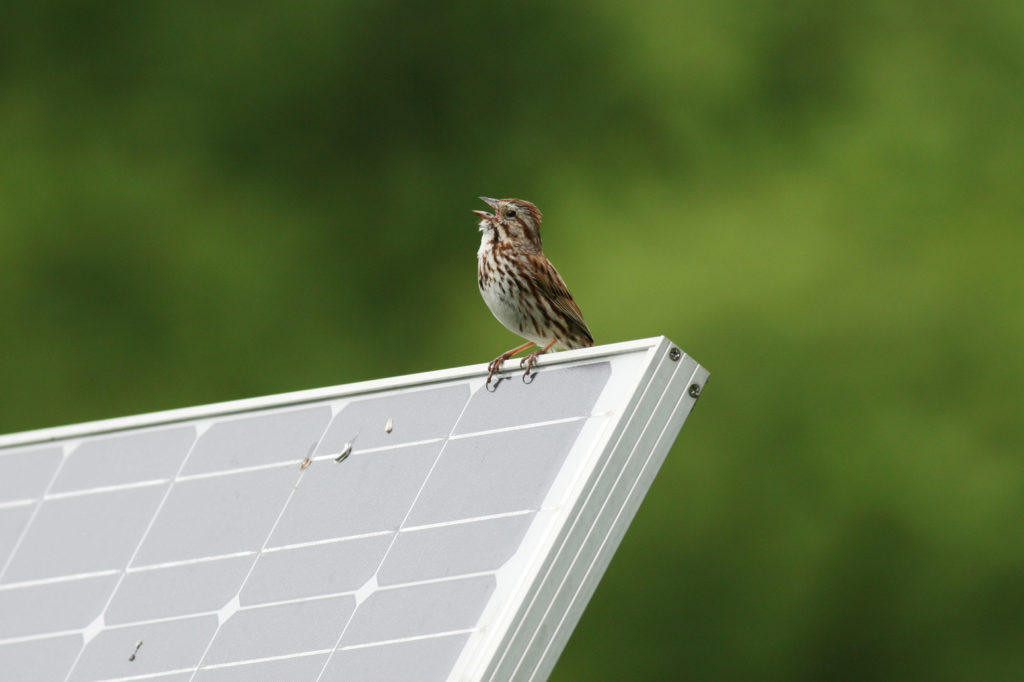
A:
{"points": [[459, 539]]}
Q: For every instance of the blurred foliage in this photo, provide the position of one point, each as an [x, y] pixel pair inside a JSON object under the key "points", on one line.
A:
{"points": [[820, 202]]}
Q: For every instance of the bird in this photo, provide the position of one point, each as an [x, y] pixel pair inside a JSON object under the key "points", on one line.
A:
{"points": [[521, 287]]}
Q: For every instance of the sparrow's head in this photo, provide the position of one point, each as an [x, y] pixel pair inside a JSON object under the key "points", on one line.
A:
{"points": [[513, 220]]}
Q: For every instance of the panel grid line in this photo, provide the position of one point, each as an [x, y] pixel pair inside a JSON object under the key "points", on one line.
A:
{"points": [[53, 634], [14, 504], [266, 659], [150, 676], [413, 638], [472, 519], [326, 541], [190, 562], [99, 490], [520, 427], [58, 579]]}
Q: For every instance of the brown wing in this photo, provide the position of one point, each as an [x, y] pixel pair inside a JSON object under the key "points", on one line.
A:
{"points": [[552, 287]]}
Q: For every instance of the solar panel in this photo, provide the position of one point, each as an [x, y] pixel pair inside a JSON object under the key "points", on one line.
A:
{"points": [[414, 528]]}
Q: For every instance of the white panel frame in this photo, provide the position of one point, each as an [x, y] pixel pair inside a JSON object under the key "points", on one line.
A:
{"points": [[622, 467]]}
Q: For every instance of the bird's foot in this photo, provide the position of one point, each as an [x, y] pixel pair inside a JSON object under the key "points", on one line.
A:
{"points": [[495, 366], [496, 363], [528, 362]]}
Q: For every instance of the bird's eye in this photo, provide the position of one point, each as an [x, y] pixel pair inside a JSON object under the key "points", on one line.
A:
{"points": [[511, 213]]}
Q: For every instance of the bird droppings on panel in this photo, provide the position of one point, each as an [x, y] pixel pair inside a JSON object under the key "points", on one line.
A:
{"points": [[309, 458], [345, 452]]}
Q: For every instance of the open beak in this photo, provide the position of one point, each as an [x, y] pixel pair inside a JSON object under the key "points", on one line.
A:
{"points": [[493, 203]]}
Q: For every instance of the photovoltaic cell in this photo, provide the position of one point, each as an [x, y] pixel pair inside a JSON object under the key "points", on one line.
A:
{"points": [[458, 539]]}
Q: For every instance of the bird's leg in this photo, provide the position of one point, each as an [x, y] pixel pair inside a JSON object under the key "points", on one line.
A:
{"points": [[530, 360], [496, 363]]}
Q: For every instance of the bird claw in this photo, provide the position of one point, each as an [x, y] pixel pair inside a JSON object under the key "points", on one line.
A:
{"points": [[528, 362], [493, 367]]}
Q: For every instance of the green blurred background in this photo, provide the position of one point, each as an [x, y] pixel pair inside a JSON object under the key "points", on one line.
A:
{"points": [[819, 201]]}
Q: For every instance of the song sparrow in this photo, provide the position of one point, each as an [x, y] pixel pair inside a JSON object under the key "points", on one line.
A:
{"points": [[522, 287]]}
